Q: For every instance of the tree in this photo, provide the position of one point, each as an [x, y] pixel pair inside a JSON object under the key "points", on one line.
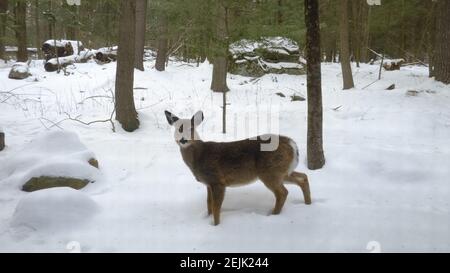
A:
{"points": [[345, 47], [125, 109], [141, 14], [3, 20], [315, 154], [37, 25], [161, 56], [20, 12], [442, 44], [220, 59]]}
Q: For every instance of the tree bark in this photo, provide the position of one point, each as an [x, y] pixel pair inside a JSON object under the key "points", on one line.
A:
{"points": [[20, 11], [141, 12], [37, 26], [220, 62], [163, 41], [345, 52], [125, 109], [442, 44], [3, 21], [365, 32], [315, 154], [280, 12], [2, 141]]}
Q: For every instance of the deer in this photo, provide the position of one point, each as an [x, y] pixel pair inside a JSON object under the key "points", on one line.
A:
{"points": [[219, 165]]}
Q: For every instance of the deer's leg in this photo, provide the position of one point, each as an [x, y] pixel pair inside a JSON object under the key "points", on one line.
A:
{"points": [[209, 201], [301, 180], [279, 190], [218, 194]]}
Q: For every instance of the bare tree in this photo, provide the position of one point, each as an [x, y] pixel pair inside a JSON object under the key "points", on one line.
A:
{"points": [[20, 12], [315, 154], [442, 45], [220, 62], [345, 47], [141, 15], [125, 109], [161, 56]]}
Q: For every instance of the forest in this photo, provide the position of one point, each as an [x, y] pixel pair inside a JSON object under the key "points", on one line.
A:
{"points": [[347, 100]]}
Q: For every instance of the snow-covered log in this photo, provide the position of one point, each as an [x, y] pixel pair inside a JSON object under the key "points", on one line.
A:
{"points": [[255, 58], [391, 65], [106, 55], [64, 48], [59, 63]]}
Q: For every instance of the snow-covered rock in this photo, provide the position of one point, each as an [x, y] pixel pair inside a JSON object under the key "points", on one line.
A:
{"points": [[58, 208], [52, 154], [19, 71]]}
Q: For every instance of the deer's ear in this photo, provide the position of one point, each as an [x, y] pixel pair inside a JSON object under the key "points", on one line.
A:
{"points": [[198, 118], [171, 118]]}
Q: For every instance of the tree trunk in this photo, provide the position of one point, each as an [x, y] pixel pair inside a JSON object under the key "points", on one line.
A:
{"points": [[125, 109], [163, 41], [431, 38], [280, 12], [365, 32], [442, 45], [2, 141], [3, 21], [21, 30], [37, 26], [220, 62], [315, 154], [345, 54], [356, 30], [141, 12]]}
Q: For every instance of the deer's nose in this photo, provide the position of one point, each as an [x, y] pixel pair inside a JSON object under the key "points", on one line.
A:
{"points": [[183, 141]]}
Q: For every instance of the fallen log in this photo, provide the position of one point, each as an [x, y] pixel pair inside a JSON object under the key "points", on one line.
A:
{"points": [[56, 64], [106, 55], [61, 48]]}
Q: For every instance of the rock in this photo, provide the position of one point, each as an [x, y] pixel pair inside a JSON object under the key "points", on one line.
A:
{"points": [[47, 182], [391, 87], [19, 71], [412, 93], [93, 162], [297, 98], [57, 209]]}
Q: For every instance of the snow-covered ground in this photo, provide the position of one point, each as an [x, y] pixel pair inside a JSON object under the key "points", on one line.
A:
{"points": [[386, 182]]}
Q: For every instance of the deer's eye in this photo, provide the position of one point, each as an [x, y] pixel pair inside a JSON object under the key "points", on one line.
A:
{"points": [[181, 129]]}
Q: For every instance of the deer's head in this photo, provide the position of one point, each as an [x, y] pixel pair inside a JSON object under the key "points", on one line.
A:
{"points": [[185, 129]]}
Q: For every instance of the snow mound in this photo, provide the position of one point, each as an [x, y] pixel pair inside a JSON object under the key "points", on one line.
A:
{"points": [[55, 154], [57, 208]]}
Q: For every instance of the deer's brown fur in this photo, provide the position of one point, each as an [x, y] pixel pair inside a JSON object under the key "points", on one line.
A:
{"points": [[227, 164]]}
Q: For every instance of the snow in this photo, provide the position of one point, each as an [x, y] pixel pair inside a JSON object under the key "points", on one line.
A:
{"points": [[385, 180], [54, 153], [280, 45], [53, 210], [20, 67]]}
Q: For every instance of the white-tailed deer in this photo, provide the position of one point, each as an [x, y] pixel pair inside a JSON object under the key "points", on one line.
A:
{"points": [[219, 165]]}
